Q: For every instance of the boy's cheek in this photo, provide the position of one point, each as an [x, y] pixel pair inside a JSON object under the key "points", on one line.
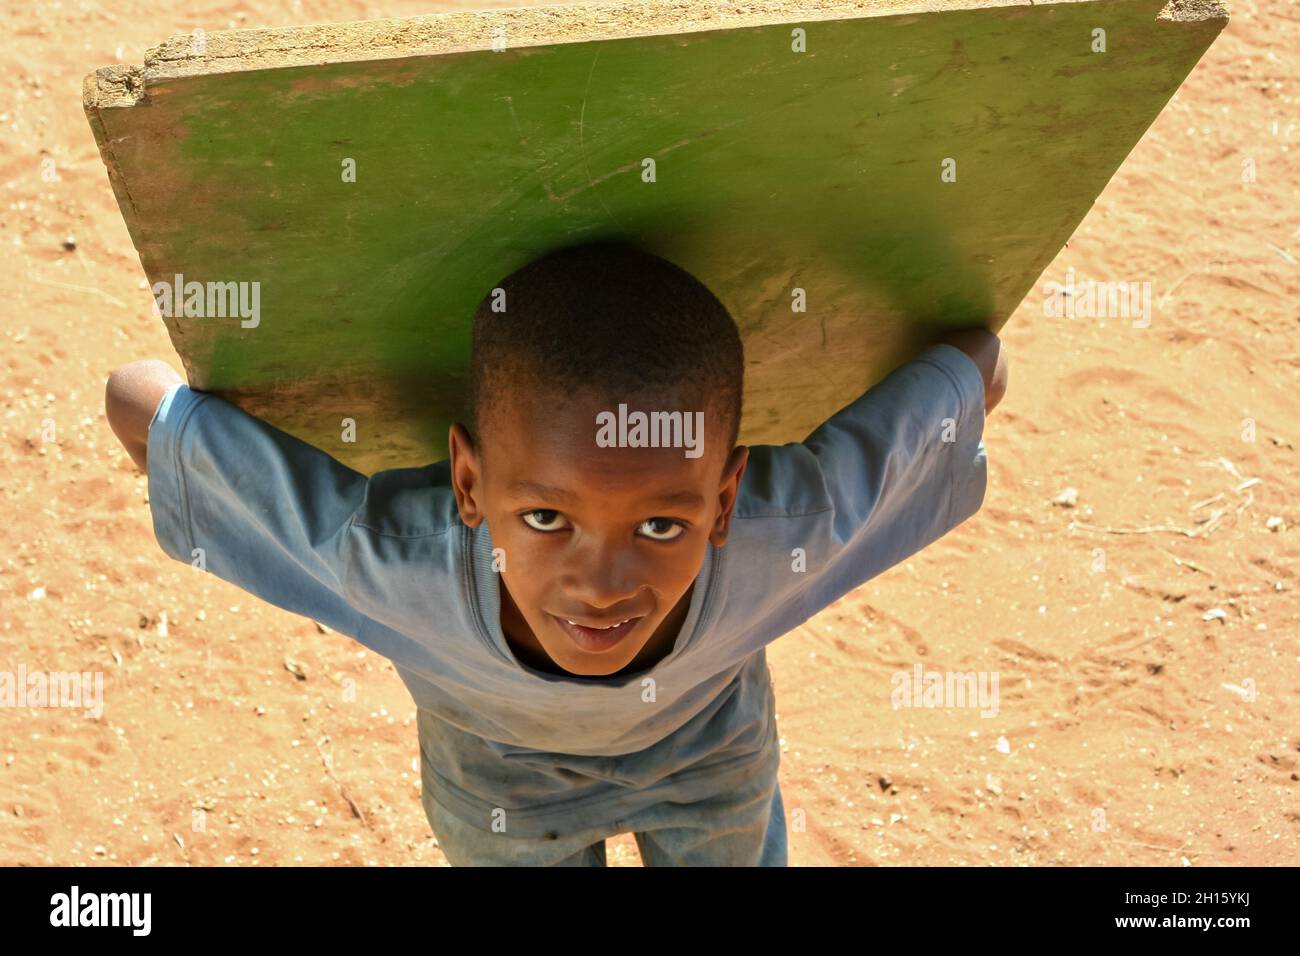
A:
{"points": [[517, 571], [528, 572], [517, 556]]}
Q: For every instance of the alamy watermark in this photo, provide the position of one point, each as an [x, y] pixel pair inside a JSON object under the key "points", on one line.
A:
{"points": [[922, 688], [1090, 299], [54, 689], [209, 300], [75, 908], [626, 429]]}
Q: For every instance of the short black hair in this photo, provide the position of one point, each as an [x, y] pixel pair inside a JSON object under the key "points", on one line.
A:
{"points": [[611, 317]]}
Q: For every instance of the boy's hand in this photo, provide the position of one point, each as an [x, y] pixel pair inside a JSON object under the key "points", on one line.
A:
{"points": [[130, 399], [985, 350]]}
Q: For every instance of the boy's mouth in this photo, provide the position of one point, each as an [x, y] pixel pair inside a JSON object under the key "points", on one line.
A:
{"points": [[597, 638]]}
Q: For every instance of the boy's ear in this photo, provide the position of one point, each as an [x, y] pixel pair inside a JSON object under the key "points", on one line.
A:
{"points": [[466, 476], [727, 493]]}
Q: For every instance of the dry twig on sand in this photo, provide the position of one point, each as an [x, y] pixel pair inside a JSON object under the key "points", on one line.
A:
{"points": [[328, 760]]}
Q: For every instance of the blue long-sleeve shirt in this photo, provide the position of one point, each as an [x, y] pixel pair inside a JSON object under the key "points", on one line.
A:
{"points": [[386, 560]]}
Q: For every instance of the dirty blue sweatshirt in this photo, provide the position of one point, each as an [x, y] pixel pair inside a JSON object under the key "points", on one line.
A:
{"points": [[386, 560]]}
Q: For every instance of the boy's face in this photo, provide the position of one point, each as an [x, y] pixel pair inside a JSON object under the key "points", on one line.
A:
{"points": [[593, 536]]}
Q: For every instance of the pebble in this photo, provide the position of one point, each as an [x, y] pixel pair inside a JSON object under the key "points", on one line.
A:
{"points": [[1068, 498]]}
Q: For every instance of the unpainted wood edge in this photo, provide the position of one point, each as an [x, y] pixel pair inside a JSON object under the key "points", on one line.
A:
{"points": [[232, 51], [92, 100], [1194, 11], [197, 54], [101, 89], [111, 86]]}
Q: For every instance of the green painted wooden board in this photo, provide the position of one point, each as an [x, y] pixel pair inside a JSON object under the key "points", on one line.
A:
{"points": [[774, 170]]}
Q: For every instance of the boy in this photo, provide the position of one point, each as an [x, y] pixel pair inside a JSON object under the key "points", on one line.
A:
{"points": [[579, 603]]}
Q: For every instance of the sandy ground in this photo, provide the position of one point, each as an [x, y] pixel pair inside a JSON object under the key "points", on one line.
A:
{"points": [[1120, 700]]}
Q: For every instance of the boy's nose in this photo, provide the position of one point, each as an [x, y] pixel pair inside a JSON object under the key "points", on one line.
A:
{"points": [[601, 576]]}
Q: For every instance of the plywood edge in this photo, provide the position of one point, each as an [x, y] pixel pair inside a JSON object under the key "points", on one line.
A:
{"points": [[1194, 11], [111, 87], [235, 51]]}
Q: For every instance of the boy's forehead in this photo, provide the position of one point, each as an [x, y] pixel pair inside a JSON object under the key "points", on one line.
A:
{"points": [[584, 438], [576, 415], [645, 492]]}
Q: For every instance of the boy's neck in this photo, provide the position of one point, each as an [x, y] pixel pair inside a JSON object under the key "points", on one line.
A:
{"points": [[528, 650]]}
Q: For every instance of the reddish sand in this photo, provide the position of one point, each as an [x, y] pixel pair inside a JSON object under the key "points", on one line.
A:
{"points": [[1117, 694]]}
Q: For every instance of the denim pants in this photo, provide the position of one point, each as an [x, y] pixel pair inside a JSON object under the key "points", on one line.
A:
{"points": [[743, 827]]}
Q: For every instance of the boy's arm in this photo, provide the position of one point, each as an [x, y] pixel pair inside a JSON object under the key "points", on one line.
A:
{"points": [[131, 397], [232, 495], [902, 465]]}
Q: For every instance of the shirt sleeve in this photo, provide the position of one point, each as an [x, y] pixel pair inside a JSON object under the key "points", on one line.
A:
{"points": [[898, 468], [253, 505]]}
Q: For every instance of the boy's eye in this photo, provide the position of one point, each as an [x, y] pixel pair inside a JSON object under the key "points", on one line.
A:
{"points": [[661, 529], [544, 520]]}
